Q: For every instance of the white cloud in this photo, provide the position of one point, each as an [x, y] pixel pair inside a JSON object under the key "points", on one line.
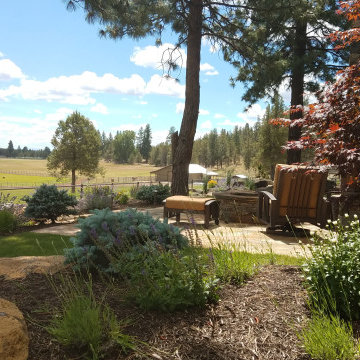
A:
{"points": [[1, 54], [209, 69], [59, 114], [165, 86], [180, 108], [251, 115], [158, 136], [213, 47], [139, 116], [157, 56], [228, 122], [154, 115], [206, 125], [37, 111], [100, 108], [219, 116], [34, 132], [206, 67], [9, 70], [78, 89], [203, 112], [212, 73], [143, 102]]}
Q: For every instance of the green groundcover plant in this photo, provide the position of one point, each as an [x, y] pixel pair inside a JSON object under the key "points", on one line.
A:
{"points": [[329, 338], [332, 274]]}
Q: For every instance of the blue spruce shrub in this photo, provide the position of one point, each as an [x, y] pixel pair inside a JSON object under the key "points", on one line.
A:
{"points": [[48, 202], [105, 234]]}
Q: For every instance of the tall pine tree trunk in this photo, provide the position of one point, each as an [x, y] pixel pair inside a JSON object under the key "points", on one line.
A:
{"points": [[297, 89], [183, 151]]}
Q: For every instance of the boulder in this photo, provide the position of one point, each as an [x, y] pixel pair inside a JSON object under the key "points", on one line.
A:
{"points": [[14, 340]]}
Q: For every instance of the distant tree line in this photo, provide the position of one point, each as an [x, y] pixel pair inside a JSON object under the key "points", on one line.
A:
{"points": [[127, 146], [24, 152], [258, 146]]}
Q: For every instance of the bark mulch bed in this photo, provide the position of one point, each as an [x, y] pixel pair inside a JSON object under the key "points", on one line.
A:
{"points": [[256, 321]]}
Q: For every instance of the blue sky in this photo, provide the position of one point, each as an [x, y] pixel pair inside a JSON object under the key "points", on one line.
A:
{"points": [[53, 62]]}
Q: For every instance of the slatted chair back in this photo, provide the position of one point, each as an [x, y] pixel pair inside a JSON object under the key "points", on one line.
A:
{"points": [[299, 191]]}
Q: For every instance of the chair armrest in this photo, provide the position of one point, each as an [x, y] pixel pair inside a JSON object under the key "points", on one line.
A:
{"points": [[267, 194], [267, 208]]}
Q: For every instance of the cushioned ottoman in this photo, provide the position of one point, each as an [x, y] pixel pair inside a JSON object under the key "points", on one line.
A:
{"points": [[175, 205]]}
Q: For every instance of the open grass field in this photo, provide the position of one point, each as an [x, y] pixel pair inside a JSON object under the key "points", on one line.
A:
{"points": [[7, 180], [38, 167], [33, 172]]}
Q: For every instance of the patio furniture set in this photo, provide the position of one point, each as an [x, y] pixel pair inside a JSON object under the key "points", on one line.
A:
{"points": [[297, 196]]}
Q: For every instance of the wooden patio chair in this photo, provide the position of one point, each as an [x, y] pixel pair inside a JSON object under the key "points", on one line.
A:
{"points": [[298, 196]]}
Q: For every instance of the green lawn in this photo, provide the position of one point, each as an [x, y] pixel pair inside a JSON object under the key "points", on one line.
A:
{"points": [[33, 244]]}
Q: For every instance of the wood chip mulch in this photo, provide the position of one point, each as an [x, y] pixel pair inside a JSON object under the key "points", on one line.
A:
{"points": [[259, 320]]}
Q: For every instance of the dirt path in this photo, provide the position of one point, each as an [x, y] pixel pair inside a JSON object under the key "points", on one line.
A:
{"points": [[19, 267]]}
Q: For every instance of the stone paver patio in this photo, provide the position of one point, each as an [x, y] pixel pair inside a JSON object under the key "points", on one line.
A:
{"points": [[250, 236]]}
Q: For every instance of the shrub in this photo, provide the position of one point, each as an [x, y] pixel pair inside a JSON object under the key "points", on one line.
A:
{"points": [[333, 273], [205, 184], [8, 221], [211, 184], [168, 280], [97, 197], [153, 194], [229, 175], [7, 202], [133, 191], [328, 338], [121, 198], [49, 203], [106, 233]]}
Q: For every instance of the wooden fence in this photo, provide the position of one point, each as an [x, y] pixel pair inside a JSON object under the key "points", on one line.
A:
{"points": [[81, 187], [5, 185]]}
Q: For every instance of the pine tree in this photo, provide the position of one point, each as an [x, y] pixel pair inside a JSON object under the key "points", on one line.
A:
{"points": [[146, 143], [10, 149], [271, 139], [291, 43], [191, 20], [77, 148]]}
